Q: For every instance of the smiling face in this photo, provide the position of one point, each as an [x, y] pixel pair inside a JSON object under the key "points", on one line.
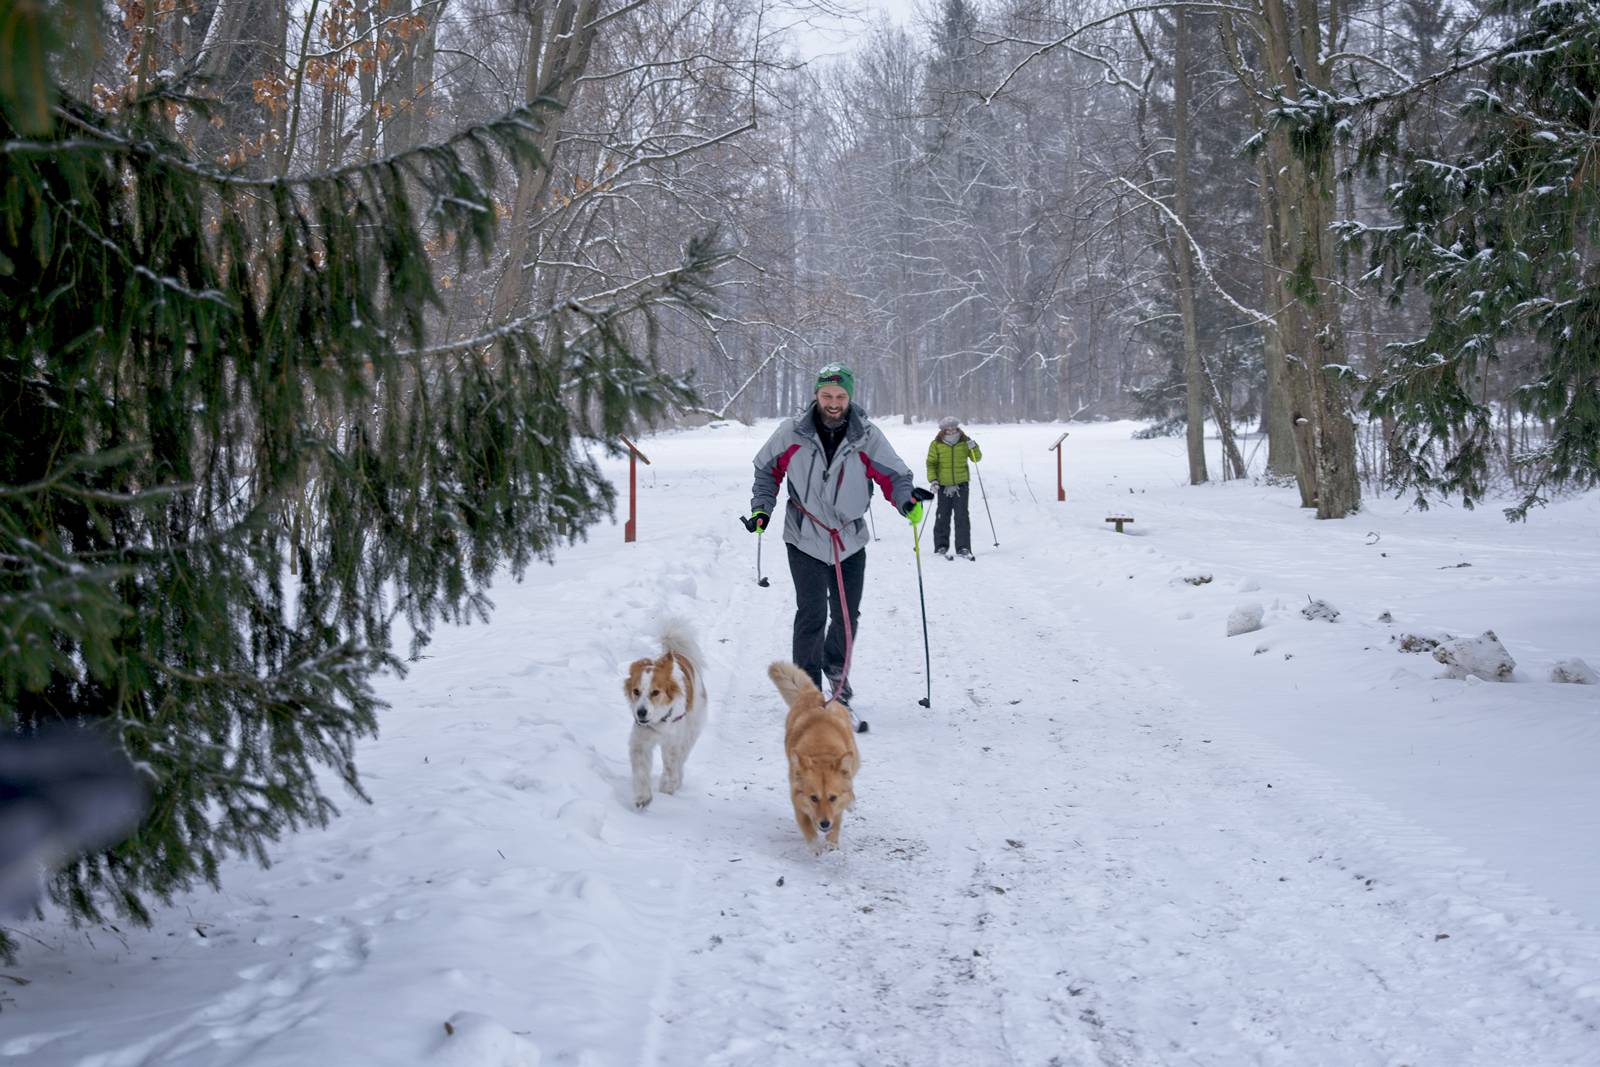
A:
{"points": [[833, 401], [654, 690]]}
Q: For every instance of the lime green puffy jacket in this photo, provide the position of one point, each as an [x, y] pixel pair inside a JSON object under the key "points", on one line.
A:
{"points": [[947, 464]]}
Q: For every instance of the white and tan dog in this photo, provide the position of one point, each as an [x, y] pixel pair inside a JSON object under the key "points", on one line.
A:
{"points": [[667, 696]]}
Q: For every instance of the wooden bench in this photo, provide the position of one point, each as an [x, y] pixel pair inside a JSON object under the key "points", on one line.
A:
{"points": [[1119, 520]]}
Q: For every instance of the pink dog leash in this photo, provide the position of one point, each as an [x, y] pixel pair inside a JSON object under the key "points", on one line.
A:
{"points": [[844, 601]]}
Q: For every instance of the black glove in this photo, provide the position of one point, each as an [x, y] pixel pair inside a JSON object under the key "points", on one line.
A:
{"points": [[912, 509]]}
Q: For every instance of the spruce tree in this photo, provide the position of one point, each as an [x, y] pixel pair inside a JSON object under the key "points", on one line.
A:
{"points": [[233, 456], [1501, 234]]}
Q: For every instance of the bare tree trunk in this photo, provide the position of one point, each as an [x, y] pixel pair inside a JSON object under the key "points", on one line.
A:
{"points": [[406, 88], [1222, 407], [560, 36], [327, 130], [1193, 374], [1292, 327], [1065, 342], [367, 83], [909, 368], [1327, 457], [85, 45], [399, 89], [244, 42], [1280, 430]]}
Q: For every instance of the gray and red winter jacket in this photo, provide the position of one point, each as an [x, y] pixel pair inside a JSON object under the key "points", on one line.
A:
{"points": [[836, 493]]}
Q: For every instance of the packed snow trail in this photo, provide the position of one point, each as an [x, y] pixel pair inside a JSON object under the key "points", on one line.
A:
{"points": [[1083, 853], [1063, 861]]}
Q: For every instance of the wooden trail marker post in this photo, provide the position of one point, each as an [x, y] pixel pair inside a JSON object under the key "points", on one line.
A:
{"points": [[1061, 486], [630, 532]]}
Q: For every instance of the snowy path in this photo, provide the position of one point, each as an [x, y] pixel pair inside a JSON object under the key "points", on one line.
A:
{"points": [[1092, 850], [1066, 864]]}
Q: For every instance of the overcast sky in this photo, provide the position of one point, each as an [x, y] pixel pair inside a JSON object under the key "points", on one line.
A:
{"points": [[825, 37]]}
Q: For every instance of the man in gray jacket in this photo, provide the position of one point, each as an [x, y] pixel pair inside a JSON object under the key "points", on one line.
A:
{"points": [[832, 456]]}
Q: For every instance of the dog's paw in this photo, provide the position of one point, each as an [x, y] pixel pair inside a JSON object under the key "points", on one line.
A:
{"points": [[642, 801], [817, 845], [670, 786]]}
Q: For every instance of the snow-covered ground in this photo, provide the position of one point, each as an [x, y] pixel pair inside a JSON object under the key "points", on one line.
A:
{"points": [[1119, 836]]}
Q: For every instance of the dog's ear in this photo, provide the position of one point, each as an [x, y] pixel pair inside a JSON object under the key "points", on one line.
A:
{"points": [[797, 763], [634, 671], [847, 764]]}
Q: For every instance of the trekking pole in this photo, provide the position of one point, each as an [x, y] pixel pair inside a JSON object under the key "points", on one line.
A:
{"points": [[986, 510], [750, 524], [916, 550]]}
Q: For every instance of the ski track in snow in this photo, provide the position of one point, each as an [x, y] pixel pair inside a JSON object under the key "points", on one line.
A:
{"points": [[1072, 858], [1070, 866]]}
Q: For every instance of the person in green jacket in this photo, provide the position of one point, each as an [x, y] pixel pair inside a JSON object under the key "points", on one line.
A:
{"points": [[947, 470]]}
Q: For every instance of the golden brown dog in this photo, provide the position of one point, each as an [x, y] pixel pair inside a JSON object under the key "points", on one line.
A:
{"points": [[822, 756]]}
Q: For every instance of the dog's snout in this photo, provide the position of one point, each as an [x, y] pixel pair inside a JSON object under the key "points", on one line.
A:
{"points": [[825, 824], [642, 714]]}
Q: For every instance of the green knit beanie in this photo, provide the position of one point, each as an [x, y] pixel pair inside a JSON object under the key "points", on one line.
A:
{"points": [[837, 374]]}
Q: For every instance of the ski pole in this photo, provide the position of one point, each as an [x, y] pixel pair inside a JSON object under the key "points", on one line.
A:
{"points": [[916, 550], [986, 510], [750, 524], [872, 520]]}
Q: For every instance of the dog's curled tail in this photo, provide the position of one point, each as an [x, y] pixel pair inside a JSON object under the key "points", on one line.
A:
{"points": [[678, 636], [792, 682]]}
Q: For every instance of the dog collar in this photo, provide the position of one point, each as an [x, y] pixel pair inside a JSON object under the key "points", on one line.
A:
{"points": [[666, 722]]}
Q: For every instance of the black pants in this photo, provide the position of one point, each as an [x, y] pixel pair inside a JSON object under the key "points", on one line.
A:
{"points": [[816, 603], [957, 506]]}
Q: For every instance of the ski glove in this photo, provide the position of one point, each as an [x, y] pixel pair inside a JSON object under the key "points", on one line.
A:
{"points": [[952, 491], [756, 523], [972, 444], [912, 509]]}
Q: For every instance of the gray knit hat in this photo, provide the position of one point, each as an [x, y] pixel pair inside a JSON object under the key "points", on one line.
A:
{"points": [[949, 422]]}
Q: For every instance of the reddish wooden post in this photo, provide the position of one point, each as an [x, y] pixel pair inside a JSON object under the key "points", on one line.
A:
{"points": [[1061, 486], [630, 532]]}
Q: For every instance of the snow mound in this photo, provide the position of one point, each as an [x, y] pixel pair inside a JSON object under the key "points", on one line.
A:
{"points": [[1477, 657], [1244, 619], [1320, 609], [472, 1039], [1575, 671], [1416, 643]]}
